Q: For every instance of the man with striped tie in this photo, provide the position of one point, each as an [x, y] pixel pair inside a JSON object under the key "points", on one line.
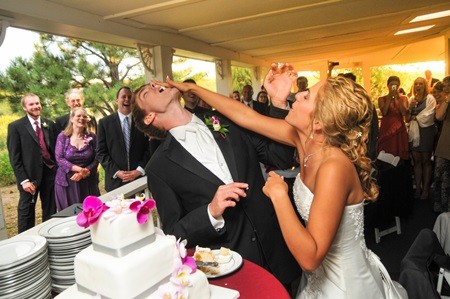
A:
{"points": [[122, 150]]}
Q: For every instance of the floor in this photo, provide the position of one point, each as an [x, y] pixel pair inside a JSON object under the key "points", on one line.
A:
{"points": [[392, 248]]}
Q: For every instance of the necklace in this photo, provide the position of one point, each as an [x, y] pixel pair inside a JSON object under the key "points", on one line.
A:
{"points": [[305, 160]]}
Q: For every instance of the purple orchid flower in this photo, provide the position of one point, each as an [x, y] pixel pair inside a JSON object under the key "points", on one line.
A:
{"points": [[142, 208], [93, 207]]}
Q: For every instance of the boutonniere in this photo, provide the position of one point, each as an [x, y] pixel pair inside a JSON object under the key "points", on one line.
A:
{"points": [[214, 123], [44, 124], [87, 139]]}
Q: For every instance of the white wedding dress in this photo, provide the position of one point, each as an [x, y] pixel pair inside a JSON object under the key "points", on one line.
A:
{"points": [[349, 270]]}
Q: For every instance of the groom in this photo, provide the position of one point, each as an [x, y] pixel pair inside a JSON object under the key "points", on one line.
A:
{"points": [[208, 184]]}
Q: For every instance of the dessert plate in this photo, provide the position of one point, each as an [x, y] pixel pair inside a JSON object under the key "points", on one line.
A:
{"points": [[63, 228], [229, 267]]}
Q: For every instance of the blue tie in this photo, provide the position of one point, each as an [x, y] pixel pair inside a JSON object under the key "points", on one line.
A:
{"points": [[126, 137]]}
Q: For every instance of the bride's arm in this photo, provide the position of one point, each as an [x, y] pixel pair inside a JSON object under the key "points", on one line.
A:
{"points": [[275, 129]]}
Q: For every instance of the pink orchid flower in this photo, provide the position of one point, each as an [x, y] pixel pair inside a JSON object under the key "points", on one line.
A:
{"points": [[186, 260], [93, 208], [142, 208]]}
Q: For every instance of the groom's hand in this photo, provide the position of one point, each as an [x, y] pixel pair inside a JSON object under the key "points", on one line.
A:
{"points": [[226, 196]]}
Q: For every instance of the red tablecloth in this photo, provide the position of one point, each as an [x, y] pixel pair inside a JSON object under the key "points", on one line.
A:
{"points": [[252, 281]]}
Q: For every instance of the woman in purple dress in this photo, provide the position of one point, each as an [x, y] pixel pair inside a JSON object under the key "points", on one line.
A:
{"points": [[77, 175]]}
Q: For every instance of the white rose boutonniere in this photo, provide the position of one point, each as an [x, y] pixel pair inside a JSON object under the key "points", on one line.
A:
{"points": [[44, 125], [214, 123]]}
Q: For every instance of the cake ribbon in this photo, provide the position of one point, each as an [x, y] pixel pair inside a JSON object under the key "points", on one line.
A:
{"points": [[120, 252]]}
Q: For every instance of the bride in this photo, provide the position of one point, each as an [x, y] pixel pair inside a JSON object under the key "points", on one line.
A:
{"points": [[328, 124]]}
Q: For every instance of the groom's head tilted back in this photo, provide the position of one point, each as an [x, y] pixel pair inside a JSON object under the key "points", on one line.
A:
{"points": [[148, 101]]}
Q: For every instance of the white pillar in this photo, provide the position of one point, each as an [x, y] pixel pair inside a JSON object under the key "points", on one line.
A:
{"points": [[3, 25], [366, 78], [224, 79], [157, 61]]}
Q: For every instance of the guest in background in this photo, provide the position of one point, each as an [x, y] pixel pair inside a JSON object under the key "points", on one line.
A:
{"points": [[236, 96], [193, 103], [31, 143], [302, 85], [422, 131], [393, 137], [74, 98], [122, 150], [440, 96], [395, 180], [442, 152], [430, 80], [263, 98], [247, 99], [77, 175]]}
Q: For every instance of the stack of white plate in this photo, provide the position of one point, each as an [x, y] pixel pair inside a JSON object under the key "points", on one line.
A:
{"points": [[24, 269], [65, 239]]}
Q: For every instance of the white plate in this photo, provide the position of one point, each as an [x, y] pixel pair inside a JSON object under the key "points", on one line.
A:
{"points": [[227, 268], [20, 249], [64, 227]]}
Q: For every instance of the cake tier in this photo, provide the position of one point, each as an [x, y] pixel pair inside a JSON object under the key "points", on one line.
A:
{"points": [[130, 276], [120, 233]]}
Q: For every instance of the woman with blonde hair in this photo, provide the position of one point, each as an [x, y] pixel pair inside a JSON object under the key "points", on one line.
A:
{"points": [[328, 124], [422, 131], [77, 175]]}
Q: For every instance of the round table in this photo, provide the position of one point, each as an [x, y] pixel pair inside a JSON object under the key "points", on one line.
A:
{"points": [[252, 281]]}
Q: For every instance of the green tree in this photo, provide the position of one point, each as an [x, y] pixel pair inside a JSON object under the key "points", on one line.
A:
{"points": [[241, 77], [61, 63]]}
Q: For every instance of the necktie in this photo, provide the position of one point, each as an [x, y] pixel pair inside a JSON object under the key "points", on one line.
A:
{"points": [[126, 133], [126, 138], [45, 154]]}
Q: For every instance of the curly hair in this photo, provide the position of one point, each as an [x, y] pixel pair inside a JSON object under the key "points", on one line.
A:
{"points": [[139, 115], [345, 110]]}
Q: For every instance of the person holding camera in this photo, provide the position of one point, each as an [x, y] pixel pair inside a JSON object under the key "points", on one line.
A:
{"points": [[393, 178], [393, 137]]}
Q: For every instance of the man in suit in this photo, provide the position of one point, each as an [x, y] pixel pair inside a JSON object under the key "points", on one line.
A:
{"points": [[74, 98], [122, 150], [31, 146], [430, 80], [247, 99], [208, 184], [192, 102]]}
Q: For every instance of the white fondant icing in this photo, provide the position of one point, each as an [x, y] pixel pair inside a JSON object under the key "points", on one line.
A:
{"points": [[128, 276], [121, 231]]}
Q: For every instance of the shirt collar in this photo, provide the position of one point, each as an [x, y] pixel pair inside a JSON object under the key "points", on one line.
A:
{"points": [[32, 120], [122, 116], [179, 132]]}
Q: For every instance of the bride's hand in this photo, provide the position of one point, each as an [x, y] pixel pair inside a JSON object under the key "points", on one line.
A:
{"points": [[275, 186], [278, 81], [182, 87]]}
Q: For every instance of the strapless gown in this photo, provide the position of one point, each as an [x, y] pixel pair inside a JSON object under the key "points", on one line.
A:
{"points": [[349, 270]]}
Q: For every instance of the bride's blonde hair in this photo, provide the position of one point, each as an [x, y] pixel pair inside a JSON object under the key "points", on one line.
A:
{"points": [[345, 110]]}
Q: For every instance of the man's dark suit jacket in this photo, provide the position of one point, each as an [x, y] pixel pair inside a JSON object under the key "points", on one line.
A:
{"points": [[183, 188], [24, 150], [27, 163], [62, 121], [111, 151]]}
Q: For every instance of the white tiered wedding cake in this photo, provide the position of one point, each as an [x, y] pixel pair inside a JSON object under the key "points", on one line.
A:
{"points": [[128, 259]]}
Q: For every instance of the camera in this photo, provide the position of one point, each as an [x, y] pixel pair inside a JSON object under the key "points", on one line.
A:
{"points": [[333, 63], [394, 87]]}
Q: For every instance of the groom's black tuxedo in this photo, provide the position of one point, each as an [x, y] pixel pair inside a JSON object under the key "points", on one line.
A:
{"points": [[27, 163], [183, 188]]}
